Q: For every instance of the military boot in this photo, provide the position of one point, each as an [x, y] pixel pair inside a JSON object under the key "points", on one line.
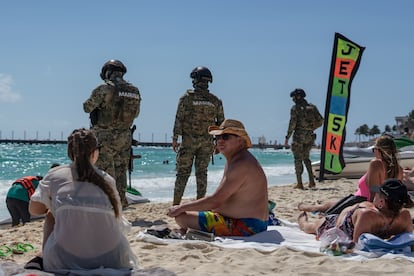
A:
{"points": [[124, 203], [312, 182], [299, 184]]}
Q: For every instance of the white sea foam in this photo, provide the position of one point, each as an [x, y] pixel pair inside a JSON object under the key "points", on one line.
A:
{"points": [[152, 176]]}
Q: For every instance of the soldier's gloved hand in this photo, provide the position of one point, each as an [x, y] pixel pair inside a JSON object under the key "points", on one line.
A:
{"points": [[134, 142]]}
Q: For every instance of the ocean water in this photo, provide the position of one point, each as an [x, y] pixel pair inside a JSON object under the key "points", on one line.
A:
{"points": [[153, 174]]}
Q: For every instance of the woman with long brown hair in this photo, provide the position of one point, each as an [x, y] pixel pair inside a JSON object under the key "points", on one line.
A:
{"points": [[83, 225], [383, 166]]}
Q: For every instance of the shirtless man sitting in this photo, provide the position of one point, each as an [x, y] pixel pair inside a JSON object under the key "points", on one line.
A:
{"points": [[239, 206]]}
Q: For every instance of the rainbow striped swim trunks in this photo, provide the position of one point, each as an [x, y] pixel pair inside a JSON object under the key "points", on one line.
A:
{"points": [[224, 226]]}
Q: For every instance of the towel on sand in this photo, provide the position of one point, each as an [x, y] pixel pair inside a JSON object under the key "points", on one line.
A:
{"points": [[399, 244], [287, 234]]}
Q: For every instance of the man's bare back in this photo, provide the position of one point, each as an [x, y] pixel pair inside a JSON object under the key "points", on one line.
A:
{"points": [[250, 198]]}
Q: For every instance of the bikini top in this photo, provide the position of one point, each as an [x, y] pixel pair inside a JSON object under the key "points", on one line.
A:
{"points": [[363, 188], [348, 226]]}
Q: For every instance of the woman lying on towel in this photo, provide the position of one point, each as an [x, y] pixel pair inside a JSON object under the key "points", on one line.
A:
{"points": [[384, 217], [385, 165], [83, 227]]}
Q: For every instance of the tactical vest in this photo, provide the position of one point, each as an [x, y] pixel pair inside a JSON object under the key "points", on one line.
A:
{"points": [[200, 112], [308, 117], [127, 100], [120, 107], [27, 183]]}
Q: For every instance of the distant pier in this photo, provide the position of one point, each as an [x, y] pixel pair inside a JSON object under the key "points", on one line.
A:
{"points": [[144, 144], [34, 141]]}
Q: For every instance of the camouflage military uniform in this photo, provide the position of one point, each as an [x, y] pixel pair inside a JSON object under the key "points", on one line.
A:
{"points": [[113, 109], [304, 119], [197, 110]]}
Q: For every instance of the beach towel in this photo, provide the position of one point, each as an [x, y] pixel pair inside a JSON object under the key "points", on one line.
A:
{"points": [[399, 244], [287, 234]]}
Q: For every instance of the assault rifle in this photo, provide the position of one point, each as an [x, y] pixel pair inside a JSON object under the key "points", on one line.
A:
{"points": [[214, 152], [215, 145], [134, 143]]}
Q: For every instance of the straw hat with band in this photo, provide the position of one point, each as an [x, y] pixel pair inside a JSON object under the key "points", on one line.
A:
{"points": [[230, 126]]}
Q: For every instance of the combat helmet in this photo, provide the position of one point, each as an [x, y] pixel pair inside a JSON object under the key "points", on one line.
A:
{"points": [[201, 73], [113, 65], [298, 92]]}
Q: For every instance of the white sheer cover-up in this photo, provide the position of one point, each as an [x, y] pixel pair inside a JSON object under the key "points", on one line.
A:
{"points": [[86, 234]]}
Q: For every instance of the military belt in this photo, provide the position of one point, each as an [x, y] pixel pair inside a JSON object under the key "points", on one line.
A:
{"points": [[111, 129], [303, 129]]}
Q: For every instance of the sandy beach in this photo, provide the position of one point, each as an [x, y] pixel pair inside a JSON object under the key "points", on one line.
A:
{"points": [[205, 259]]}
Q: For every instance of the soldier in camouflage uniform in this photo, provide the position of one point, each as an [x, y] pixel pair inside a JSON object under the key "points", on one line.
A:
{"points": [[304, 119], [197, 110], [113, 106]]}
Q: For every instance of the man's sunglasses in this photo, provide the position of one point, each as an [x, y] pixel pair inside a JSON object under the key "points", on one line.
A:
{"points": [[225, 136]]}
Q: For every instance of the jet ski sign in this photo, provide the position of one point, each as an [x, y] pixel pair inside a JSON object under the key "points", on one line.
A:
{"points": [[346, 57]]}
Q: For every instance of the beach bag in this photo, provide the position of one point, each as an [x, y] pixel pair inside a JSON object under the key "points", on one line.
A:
{"points": [[335, 242], [273, 220]]}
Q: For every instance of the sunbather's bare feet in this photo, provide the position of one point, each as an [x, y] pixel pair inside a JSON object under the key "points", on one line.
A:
{"points": [[303, 217], [309, 226], [306, 207]]}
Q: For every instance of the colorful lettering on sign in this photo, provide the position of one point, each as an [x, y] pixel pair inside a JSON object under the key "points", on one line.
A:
{"points": [[346, 58]]}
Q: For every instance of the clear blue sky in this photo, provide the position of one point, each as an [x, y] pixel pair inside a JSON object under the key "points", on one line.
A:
{"points": [[51, 54]]}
